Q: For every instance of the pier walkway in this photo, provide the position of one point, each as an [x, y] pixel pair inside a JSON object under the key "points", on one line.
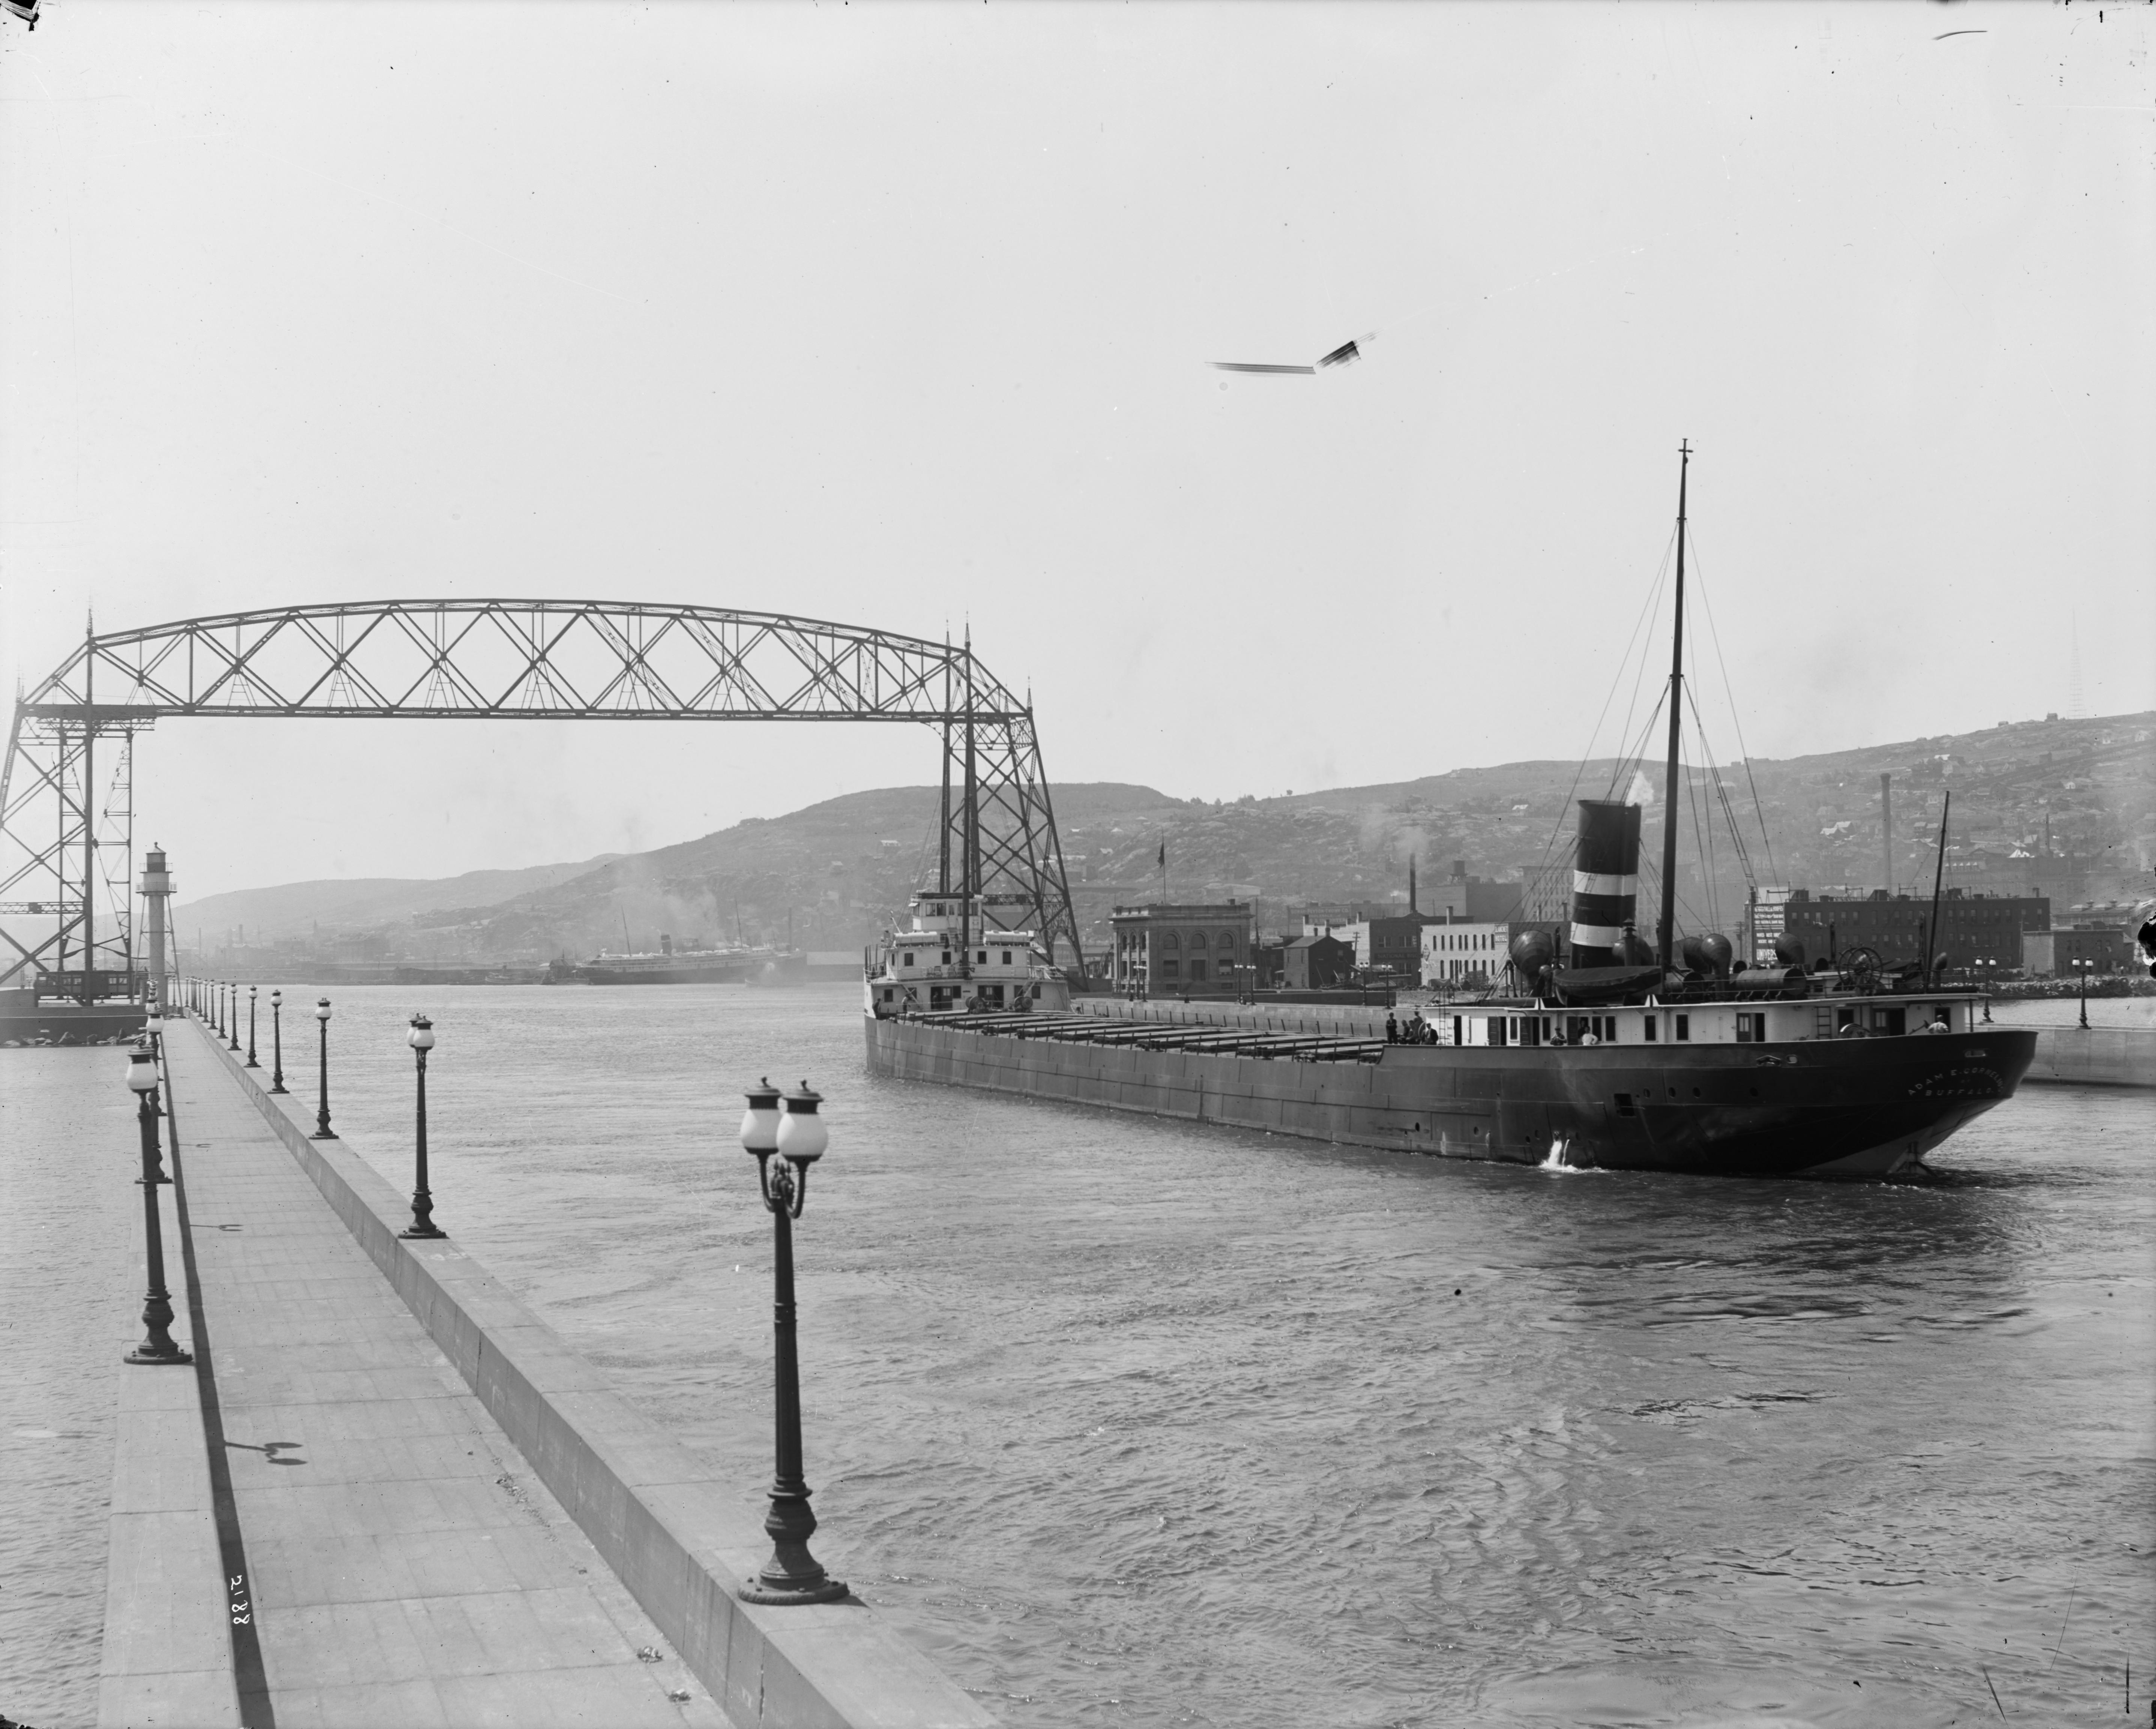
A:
{"points": [[401, 1562], [386, 1493]]}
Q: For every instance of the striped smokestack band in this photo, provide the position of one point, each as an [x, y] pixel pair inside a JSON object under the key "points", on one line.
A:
{"points": [[1606, 880]]}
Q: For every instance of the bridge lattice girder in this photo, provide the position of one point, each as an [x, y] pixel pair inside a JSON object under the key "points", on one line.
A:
{"points": [[523, 659]]}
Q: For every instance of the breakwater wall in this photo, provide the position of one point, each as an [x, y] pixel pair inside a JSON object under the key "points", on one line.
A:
{"points": [[676, 1537], [2094, 1056]]}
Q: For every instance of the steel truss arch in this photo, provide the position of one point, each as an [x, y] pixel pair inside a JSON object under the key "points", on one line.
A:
{"points": [[500, 659]]}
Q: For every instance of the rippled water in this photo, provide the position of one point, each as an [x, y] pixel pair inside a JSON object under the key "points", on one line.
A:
{"points": [[1131, 1423]]}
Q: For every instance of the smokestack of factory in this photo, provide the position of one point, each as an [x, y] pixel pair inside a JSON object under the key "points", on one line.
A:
{"points": [[1887, 832]]}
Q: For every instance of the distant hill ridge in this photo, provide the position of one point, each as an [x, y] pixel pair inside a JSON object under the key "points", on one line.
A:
{"points": [[833, 873], [291, 909]]}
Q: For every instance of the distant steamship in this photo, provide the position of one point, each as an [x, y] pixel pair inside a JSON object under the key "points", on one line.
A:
{"points": [[1619, 1054], [668, 966]]}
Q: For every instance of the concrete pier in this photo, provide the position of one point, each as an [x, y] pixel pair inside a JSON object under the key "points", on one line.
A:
{"points": [[388, 1493], [2094, 1056]]}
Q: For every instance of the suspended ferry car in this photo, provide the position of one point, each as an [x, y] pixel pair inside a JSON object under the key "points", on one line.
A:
{"points": [[1619, 1054]]}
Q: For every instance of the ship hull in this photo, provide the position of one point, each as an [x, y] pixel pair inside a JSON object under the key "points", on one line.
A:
{"points": [[713, 973], [1855, 1109]]}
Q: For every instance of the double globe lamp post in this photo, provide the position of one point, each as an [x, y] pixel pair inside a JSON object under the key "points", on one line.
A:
{"points": [[277, 1042], [232, 1016], [157, 1346], [799, 1137], [251, 1063]]}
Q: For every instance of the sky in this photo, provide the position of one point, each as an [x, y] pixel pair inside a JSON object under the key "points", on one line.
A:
{"points": [[899, 316]]}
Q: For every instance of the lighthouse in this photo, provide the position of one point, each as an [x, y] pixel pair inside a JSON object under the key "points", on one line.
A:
{"points": [[156, 890]]}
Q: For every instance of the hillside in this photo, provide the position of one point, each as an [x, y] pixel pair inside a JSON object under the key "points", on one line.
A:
{"points": [[832, 874], [295, 910]]}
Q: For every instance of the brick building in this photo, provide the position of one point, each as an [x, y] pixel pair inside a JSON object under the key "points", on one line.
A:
{"points": [[1974, 930], [1199, 950]]}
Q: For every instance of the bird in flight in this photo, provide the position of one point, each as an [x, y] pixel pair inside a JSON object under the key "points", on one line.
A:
{"points": [[1345, 355]]}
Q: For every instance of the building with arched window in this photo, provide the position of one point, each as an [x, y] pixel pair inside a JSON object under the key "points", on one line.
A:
{"points": [[1197, 950]]}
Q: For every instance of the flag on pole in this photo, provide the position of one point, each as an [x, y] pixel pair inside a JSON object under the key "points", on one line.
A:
{"points": [[1164, 855]]}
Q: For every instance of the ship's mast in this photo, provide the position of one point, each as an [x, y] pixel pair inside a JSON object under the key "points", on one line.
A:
{"points": [[1666, 927]]}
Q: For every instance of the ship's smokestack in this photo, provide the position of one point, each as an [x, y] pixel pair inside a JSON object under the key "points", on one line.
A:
{"points": [[1887, 832], [1605, 881]]}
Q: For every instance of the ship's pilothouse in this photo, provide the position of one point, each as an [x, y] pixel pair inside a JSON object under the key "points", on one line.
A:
{"points": [[958, 955]]}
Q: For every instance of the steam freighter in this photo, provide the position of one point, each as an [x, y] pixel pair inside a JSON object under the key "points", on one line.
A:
{"points": [[1611, 1053], [669, 966]]}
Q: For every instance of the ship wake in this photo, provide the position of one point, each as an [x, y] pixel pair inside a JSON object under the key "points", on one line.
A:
{"points": [[1559, 1158]]}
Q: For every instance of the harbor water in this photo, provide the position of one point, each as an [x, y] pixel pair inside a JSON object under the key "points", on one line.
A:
{"points": [[1127, 1421]]}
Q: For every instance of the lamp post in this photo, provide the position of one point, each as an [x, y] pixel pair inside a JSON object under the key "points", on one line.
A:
{"points": [[322, 1130], [251, 1063], [157, 1346], [232, 1015], [1990, 976], [792, 1575], [2081, 967], [276, 1043], [421, 1039]]}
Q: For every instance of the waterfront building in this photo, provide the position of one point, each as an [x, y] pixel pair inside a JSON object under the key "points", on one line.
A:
{"points": [[1465, 951], [1386, 945], [2094, 933], [1317, 963], [1202, 949], [1537, 891], [1543, 896], [1973, 929]]}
